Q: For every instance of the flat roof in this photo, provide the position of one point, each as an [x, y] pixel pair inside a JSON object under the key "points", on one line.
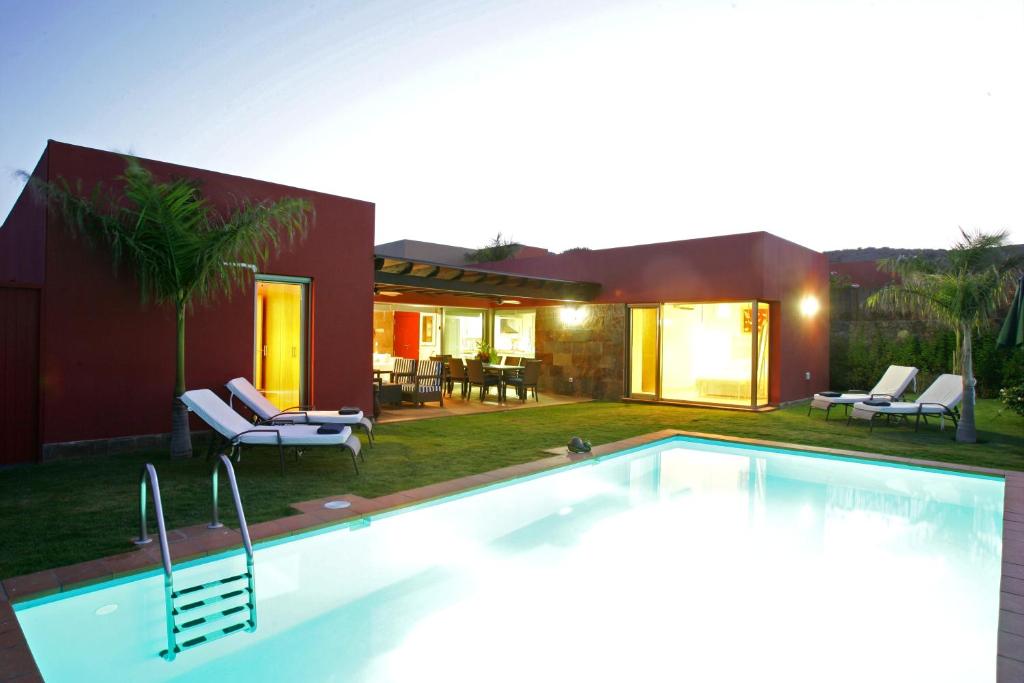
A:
{"points": [[416, 276]]}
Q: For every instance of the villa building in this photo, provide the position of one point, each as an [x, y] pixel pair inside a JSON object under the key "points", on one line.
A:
{"points": [[730, 320]]}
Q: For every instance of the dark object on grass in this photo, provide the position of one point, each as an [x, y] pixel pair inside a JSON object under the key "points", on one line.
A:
{"points": [[578, 445]]}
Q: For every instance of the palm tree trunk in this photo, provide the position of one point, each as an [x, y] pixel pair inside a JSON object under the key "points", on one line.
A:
{"points": [[181, 438], [966, 432]]}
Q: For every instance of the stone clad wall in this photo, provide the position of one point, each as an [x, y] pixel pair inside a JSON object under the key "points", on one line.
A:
{"points": [[585, 359]]}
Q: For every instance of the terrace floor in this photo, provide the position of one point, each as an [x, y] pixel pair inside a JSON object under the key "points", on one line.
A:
{"points": [[472, 406]]}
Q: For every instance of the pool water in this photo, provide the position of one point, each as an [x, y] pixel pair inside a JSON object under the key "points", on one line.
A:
{"points": [[686, 560]]}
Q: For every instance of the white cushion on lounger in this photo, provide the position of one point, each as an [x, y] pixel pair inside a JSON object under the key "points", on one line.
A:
{"points": [[946, 390], [265, 410], [893, 383], [229, 424], [215, 412], [294, 435]]}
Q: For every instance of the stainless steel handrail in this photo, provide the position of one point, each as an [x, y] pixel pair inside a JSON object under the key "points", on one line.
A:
{"points": [[149, 472], [216, 523], [243, 528]]}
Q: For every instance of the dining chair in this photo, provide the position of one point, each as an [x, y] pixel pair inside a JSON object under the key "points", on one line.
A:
{"points": [[476, 377], [528, 379], [457, 373]]}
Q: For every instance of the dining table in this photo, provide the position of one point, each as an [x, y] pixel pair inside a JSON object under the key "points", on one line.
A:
{"points": [[505, 371]]}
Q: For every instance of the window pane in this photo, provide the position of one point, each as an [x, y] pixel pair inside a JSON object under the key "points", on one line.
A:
{"points": [[514, 333], [763, 335], [643, 344], [463, 330], [279, 336], [706, 352]]}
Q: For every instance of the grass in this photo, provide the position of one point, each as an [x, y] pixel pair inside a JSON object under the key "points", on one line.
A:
{"points": [[74, 510]]}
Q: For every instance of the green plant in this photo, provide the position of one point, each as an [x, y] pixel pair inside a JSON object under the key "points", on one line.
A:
{"points": [[1013, 398], [963, 292], [486, 352], [498, 249], [180, 248]]}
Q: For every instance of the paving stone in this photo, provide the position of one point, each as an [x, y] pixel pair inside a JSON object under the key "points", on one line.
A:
{"points": [[82, 573], [37, 583]]}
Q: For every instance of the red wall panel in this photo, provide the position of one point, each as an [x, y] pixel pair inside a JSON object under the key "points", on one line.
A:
{"points": [[19, 374], [22, 238], [108, 362]]}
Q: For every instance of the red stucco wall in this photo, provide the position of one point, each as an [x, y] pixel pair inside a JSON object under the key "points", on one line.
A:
{"points": [[732, 267], [107, 363], [22, 238]]}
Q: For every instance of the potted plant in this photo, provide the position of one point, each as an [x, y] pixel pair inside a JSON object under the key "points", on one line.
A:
{"points": [[485, 353]]}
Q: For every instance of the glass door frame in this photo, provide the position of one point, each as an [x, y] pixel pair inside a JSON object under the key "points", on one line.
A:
{"points": [[755, 305], [304, 332], [656, 396]]}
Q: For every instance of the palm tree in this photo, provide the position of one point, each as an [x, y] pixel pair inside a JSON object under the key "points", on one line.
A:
{"points": [[181, 249], [963, 292], [497, 249]]}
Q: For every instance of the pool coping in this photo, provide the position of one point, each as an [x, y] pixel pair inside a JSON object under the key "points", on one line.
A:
{"points": [[196, 542]]}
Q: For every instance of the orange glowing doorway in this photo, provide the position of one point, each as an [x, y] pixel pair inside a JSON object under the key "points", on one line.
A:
{"points": [[281, 333]]}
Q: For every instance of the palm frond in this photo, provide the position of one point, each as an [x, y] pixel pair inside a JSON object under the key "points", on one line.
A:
{"points": [[178, 246]]}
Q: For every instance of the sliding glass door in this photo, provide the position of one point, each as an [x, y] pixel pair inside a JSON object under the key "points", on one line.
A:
{"points": [[643, 351], [700, 352]]}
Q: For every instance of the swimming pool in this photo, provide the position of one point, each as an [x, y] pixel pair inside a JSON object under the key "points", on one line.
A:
{"points": [[686, 559]]}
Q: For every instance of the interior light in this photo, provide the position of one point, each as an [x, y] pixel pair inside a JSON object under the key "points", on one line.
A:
{"points": [[390, 293], [573, 315], [809, 306], [514, 302]]}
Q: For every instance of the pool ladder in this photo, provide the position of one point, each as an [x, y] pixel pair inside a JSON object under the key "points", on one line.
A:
{"points": [[184, 633]]}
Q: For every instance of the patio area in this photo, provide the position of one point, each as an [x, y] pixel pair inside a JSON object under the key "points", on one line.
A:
{"points": [[455, 405]]}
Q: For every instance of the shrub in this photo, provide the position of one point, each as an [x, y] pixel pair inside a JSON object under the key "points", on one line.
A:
{"points": [[1013, 398]]}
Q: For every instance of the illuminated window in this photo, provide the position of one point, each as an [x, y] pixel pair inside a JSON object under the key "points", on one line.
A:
{"points": [[280, 362], [643, 339], [514, 333], [709, 353], [463, 330]]}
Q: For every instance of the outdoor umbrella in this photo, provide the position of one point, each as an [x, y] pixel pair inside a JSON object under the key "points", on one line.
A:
{"points": [[1012, 333]]}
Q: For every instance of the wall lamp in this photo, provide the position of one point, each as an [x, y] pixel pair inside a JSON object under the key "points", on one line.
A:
{"points": [[809, 306], [572, 315]]}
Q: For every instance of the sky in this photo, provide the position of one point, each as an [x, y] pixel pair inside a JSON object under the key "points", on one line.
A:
{"points": [[835, 124]]}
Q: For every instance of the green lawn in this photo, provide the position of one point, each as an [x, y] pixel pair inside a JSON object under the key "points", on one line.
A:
{"points": [[74, 510]]}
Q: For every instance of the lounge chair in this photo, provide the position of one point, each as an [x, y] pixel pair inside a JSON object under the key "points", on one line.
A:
{"points": [[891, 387], [428, 385], [238, 432], [403, 371], [266, 412], [938, 400]]}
